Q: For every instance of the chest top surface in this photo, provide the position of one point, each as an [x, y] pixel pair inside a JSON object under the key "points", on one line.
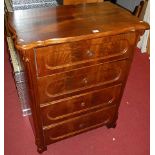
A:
{"points": [[44, 26]]}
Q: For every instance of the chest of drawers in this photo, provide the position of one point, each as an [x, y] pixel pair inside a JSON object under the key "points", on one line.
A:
{"points": [[76, 61]]}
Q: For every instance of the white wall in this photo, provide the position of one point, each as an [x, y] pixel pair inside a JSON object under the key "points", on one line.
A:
{"points": [[143, 42]]}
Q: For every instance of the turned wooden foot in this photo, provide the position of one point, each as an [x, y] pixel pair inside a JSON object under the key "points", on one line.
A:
{"points": [[41, 149], [112, 125]]}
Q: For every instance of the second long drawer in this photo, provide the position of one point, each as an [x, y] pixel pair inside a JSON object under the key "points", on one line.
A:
{"points": [[62, 85]]}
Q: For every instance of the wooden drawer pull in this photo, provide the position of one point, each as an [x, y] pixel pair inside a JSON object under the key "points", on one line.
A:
{"points": [[110, 101], [90, 53], [85, 80], [81, 125], [83, 104]]}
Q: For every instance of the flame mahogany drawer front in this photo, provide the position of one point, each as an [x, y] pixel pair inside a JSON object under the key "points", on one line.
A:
{"points": [[55, 58], [74, 106], [79, 124], [76, 60], [65, 84]]}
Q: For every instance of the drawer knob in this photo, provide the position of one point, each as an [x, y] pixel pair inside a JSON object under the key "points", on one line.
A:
{"points": [[90, 53], [83, 104], [110, 102], [85, 81], [81, 125]]}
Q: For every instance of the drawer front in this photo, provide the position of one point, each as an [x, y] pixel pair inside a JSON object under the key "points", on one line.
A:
{"points": [[56, 58], [80, 104], [61, 85], [78, 125]]}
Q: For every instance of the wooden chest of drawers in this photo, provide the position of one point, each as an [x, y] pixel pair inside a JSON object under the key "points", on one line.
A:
{"points": [[77, 60]]}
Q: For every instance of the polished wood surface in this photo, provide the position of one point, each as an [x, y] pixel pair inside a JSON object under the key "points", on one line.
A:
{"points": [[68, 83], [77, 60], [80, 53], [78, 125], [61, 110], [70, 23]]}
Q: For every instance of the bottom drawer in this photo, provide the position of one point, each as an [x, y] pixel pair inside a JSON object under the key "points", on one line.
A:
{"points": [[77, 125]]}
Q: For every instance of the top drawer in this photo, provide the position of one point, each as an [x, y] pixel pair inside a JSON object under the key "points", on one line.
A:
{"points": [[61, 57]]}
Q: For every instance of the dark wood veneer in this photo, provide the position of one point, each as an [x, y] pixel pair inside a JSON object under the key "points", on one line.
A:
{"points": [[46, 26], [82, 52], [77, 60], [78, 125], [56, 86], [80, 104]]}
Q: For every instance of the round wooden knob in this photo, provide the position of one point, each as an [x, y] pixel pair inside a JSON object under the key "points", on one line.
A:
{"points": [[110, 101], [81, 125], [83, 104], [90, 53], [85, 81]]}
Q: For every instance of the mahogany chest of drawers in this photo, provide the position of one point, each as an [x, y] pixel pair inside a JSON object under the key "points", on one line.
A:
{"points": [[76, 60]]}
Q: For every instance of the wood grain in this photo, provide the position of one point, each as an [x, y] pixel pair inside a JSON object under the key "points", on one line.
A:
{"points": [[70, 107], [53, 59], [70, 23], [65, 84], [78, 124], [77, 60]]}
